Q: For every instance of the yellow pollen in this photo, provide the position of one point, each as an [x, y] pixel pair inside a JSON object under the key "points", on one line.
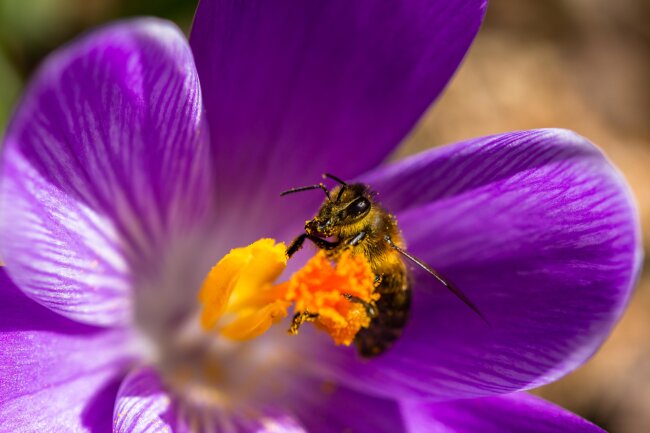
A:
{"points": [[241, 302]]}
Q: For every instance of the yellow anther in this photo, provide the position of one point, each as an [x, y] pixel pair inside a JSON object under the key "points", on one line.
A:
{"points": [[238, 293]]}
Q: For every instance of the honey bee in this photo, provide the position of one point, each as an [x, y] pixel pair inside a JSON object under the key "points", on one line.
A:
{"points": [[351, 218]]}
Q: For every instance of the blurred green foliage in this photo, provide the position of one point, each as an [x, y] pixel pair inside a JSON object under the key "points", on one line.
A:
{"points": [[30, 29], [10, 85]]}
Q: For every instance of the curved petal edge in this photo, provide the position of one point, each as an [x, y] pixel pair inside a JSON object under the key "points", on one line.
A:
{"points": [[513, 413]]}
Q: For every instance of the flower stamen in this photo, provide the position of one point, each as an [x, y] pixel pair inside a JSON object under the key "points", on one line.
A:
{"points": [[240, 299], [239, 295]]}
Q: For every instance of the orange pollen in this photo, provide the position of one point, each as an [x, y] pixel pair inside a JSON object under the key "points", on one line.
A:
{"points": [[335, 296]]}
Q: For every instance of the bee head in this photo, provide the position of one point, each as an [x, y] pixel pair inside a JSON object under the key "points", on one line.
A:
{"points": [[346, 204]]}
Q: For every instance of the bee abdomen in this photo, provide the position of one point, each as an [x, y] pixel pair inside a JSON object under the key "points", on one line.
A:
{"points": [[393, 313]]}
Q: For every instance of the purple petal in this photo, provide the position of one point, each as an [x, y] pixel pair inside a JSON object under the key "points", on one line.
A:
{"points": [[105, 162], [513, 413], [297, 88], [55, 374], [145, 404], [539, 230], [323, 406]]}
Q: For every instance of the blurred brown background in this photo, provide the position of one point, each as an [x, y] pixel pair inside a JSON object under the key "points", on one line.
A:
{"points": [[578, 64]]}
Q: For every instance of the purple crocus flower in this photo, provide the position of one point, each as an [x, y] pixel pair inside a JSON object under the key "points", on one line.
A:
{"points": [[135, 161]]}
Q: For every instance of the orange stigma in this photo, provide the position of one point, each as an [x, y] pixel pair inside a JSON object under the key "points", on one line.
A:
{"points": [[335, 297]]}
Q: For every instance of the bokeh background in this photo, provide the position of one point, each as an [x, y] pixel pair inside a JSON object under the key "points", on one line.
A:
{"points": [[578, 64]]}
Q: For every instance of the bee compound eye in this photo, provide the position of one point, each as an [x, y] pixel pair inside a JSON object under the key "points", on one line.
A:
{"points": [[360, 206]]}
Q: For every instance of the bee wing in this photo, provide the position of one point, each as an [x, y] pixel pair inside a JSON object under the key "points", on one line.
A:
{"points": [[445, 282]]}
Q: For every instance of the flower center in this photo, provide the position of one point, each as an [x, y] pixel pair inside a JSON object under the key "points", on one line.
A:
{"points": [[241, 300]]}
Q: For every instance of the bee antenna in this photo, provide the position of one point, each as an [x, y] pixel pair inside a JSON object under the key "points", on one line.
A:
{"points": [[338, 196], [451, 287], [307, 188], [331, 176]]}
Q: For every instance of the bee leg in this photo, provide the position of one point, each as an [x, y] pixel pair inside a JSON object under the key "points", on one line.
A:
{"points": [[358, 238], [297, 243], [370, 307], [323, 244], [300, 318]]}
